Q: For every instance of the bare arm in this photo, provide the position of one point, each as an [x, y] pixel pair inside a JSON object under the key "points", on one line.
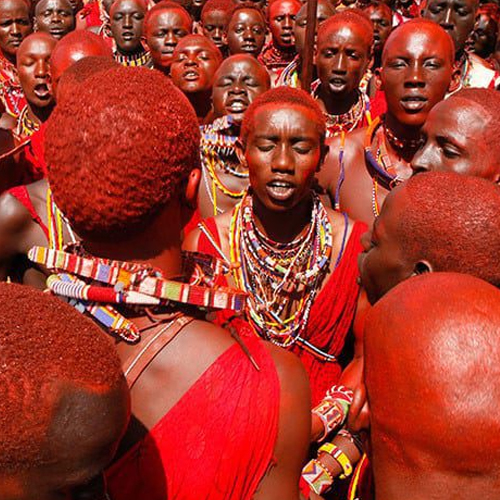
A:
{"points": [[282, 480], [329, 173]]}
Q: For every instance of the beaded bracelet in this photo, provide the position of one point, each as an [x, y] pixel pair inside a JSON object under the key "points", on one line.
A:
{"points": [[343, 460], [353, 438], [317, 476]]}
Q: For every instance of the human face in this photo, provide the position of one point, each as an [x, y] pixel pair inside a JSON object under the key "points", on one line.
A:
{"points": [[163, 32], [453, 142], [342, 57], [246, 32], [381, 19], [76, 5], [194, 65], [281, 21], [455, 16], [54, 17], [238, 82], [127, 19], [33, 65], [484, 36], [81, 446], [382, 264], [283, 151], [259, 4], [214, 24], [15, 26], [323, 12], [416, 73]]}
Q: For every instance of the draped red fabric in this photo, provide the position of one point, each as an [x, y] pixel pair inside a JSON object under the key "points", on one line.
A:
{"points": [[21, 194], [91, 14], [331, 315], [216, 443]]}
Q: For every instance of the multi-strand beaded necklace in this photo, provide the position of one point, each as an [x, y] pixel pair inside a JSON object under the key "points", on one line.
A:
{"points": [[279, 276], [218, 155]]}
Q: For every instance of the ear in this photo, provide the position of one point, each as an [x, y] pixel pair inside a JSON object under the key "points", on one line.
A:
{"points": [[422, 267], [378, 79], [191, 192], [240, 153], [358, 419], [455, 79]]}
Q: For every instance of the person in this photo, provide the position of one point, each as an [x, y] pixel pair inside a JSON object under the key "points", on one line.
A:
{"points": [[246, 31], [194, 64], [15, 26], [417, 71], [404, 10], [459, 135], [343, 55], [380, 15], [259, 4], [214, 20], [239, 80], [126, 24], [300, 276], [164, 25], [458, 18], [265, 410], [55, 17], [89, 16], [291, 75], [28, 214], [484, 34], [431, 350], [65, 404], [280, 51]]}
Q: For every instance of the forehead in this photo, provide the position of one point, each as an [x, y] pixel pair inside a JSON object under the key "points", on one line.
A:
{"points": [[418, 43], [455, 3], [169, 18], [8, 6], [123, 5], [249, 16], [279, 7], [36, 46], [197, 45], [241, 67], [343, 34], [215, 15], [53, 4], [284, 119], [379, 12]]}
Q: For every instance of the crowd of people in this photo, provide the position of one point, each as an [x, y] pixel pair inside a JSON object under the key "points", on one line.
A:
{"points": [[246, 253]]}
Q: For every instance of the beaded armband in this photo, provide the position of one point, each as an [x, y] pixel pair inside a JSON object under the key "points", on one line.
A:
{"points": [[336, 453], [317, 476], [332, 411]]}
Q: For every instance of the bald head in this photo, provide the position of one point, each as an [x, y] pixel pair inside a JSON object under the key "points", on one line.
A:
{"points": [[33, 40], [432, 374], [414, 30], [74, 47]]}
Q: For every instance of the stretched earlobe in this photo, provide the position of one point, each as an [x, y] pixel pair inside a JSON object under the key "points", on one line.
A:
{"points": [[422, 267], [191, 193], [240, 153]]}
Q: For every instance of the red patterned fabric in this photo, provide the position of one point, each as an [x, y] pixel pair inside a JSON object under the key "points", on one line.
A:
{"points": [[91, 14], [216, 443], [11, 93], [21, 194], [331, 315], [34, 156]]}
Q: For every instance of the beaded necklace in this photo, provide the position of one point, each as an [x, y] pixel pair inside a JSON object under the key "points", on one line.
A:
{"points": [[347, 122], [26, 127], [11, 92], [277, 275], [217, 150], [134, 60]]}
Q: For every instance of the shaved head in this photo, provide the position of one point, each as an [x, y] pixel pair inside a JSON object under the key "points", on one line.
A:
{"points": [[432, 375]]}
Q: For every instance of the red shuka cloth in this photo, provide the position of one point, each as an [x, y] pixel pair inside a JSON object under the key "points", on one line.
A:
{"points": [[331, 315], [216, 443]]}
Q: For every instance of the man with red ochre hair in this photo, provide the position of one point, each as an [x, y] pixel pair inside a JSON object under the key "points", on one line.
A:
{"points": [[433, 430], [152, 152], [417, 71], [343, 55], [280, 51], [164, 25], [15, 25], [461, 135], [194, 64], [215, 16], [24, 218], [65, 403], [246, 31], [412, 237]]}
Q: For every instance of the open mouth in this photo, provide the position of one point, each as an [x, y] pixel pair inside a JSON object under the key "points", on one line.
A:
{"points": [[337, 83], [42, 91], [128, 35], [280, 190], [414, 104], [15, 43], [190, 75], [237, 105], [249, 47], [57, 32], [287, 38]]}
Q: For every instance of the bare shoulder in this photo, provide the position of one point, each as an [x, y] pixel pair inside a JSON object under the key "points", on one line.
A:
{"points": [[14, 216], [338, 221], [222, 223]]}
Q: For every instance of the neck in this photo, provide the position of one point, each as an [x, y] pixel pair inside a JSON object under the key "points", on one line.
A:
{"points": [[138, 50], [404, 133], [337, 105], [201, 102], [271, 223], [154, 246], [39, 115]]}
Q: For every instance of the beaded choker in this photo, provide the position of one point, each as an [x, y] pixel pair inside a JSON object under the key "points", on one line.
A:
{"points": [[131, 284], [401, 144], [134, 60], [26, 127], [280, 276]]}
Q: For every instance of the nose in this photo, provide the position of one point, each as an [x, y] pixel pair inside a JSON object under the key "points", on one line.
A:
{"points": [[15, 31], [127, 21], [248, 34], [339, 64], [422, 160], [447, 20], [414, 76], [170, 39], [237, 88], [287, 23], [282, 160], [366, 239], [217, 34], [56, 17], [42, 69], [191, 60]]}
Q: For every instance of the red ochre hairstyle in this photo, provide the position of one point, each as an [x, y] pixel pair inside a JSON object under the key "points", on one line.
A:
{"points": [[166, 5], [283, 96], [345, 17], [197, 38], [44, 343], [248, 6], [118, 151], [452, 221], [216, 6], [81, 38]]}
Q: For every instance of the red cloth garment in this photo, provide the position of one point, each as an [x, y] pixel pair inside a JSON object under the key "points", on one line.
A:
{"points": [[91, 14], [216, 443], [22, 195], [11, 93], [331, 316]]}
